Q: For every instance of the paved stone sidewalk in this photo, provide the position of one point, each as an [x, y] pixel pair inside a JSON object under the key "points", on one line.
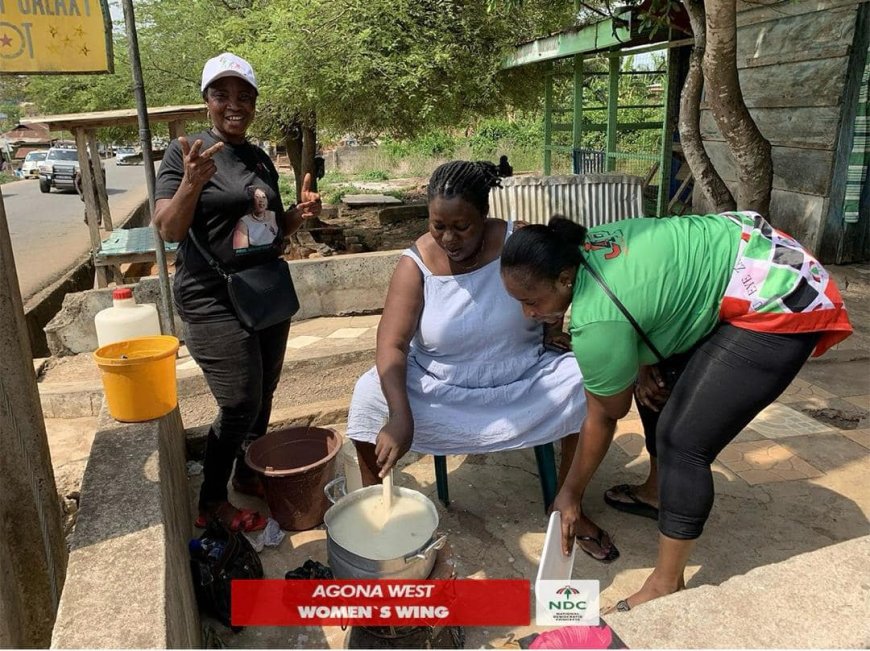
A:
{"points": [[790, 487], [767, 451]]}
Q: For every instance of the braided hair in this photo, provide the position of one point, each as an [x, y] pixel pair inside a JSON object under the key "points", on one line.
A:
{"points": [[461, 178], [543, 252]]}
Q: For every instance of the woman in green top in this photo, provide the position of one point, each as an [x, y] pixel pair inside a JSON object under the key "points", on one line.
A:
{"points": [[711, 317]]}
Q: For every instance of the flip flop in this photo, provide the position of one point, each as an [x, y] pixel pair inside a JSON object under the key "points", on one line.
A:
{"points": [[635, 507], [248, 520], [622, 606], [245, 520], [611, 556]]}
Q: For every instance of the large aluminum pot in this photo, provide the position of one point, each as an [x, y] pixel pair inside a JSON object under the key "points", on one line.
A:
{"points": [[345, 564]]}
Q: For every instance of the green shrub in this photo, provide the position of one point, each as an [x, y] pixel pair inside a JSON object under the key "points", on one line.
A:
{"points": [[333, 176], [436, 143], [287, 188], [396, 148], [495, 136], [433, 143]]}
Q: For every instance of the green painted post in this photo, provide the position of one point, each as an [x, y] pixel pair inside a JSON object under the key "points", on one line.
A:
{"points": [[671, 102], [548, 120], [577, 133], [612, 110]]}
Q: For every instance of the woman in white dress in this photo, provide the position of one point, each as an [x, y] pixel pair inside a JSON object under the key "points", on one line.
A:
{"points": [[459, 368]]}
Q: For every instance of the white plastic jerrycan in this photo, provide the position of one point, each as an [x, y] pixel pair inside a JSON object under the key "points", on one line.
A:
{"points": [[126, 319], [350, 464]]}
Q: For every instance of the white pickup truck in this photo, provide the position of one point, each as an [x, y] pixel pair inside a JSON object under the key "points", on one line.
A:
{"points": [[59, 168]]}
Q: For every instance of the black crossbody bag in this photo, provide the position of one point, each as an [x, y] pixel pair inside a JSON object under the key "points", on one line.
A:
{"points": [[669, 374], [262, 296]]}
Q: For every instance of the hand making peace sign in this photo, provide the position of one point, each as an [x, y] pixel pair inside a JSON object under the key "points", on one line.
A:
{"points": [[198, 166]]}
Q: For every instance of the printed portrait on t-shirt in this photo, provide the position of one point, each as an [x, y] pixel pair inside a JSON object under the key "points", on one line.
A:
{"points": [[258, 228]]}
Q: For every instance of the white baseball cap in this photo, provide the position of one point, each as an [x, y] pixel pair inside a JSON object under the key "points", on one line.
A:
{"points": [[227, 65]]}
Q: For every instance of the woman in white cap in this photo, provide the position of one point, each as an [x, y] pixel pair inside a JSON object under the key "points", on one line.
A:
{"points": [[204, 189]]}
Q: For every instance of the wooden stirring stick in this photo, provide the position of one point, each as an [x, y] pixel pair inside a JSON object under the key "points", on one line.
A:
{"points": [[388, 493]]}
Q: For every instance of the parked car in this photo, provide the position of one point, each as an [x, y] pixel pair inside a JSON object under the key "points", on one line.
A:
{"points": [[127, 156], [59, 168], [30, 167]]}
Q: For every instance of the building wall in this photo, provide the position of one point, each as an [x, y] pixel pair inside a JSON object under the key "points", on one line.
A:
{"points": [[794, 61]]}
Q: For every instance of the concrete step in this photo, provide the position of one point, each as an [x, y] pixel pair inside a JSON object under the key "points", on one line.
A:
{"points": [[324, 357], [321, 414], [315, 391], [817, 599]]}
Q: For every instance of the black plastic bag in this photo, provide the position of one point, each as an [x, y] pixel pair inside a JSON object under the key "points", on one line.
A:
{"points": [[216, 558]]}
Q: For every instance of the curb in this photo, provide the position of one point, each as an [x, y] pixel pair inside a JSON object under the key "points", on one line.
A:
{"points": [[79, 400], [314, 414], [84, 399]]}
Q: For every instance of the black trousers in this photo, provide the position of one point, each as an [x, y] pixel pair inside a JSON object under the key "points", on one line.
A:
{"points": [[723, 383], [242, 369]]}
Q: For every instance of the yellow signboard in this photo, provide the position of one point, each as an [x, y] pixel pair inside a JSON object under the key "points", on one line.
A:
{"points": [[55, 36]]}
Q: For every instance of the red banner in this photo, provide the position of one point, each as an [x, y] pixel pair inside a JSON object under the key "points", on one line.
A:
{"points": [[459, 602]]}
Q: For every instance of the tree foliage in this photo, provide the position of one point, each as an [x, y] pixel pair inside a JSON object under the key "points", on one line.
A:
{"points": [[171, 59], [363, 66], [373, 67], [369, 67]]}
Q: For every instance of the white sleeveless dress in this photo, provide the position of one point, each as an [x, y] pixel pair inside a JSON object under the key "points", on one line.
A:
{"points": [[479, 379]]}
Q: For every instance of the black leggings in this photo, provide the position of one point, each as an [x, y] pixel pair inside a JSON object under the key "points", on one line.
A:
{"points": [[242, 369], [723, 383]]}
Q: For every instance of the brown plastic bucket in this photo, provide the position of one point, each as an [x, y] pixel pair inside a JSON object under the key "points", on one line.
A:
{"points": [[296, 464]]}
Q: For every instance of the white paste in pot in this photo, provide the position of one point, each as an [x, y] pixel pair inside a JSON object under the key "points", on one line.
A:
{"points": [[365, 529]]}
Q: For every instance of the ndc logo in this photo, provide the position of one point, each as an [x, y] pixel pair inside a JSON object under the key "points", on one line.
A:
{"points": [[560, 603], [567, 603]]}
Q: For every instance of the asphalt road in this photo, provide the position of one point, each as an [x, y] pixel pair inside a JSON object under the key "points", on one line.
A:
{"points": [[48, 231]]}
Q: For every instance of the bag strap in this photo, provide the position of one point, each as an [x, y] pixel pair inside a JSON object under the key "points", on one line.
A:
{"points": [[623, 309], [206, 255]]}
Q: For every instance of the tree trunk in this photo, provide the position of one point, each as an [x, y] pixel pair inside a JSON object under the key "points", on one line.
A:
{"points": [[300, 138], [716, 193], [293, 141], [749, 149], [309, 150]]}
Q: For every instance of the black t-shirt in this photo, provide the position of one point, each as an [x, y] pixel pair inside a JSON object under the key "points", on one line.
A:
{"points": [[238, 218]]}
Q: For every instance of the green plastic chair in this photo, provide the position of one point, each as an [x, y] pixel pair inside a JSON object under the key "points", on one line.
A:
{"points": [[544, 455]]}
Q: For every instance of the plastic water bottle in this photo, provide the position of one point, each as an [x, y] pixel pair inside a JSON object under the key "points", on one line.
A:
{"points": [[126, 319], [195, 547], [206, 549], [215, 550]]}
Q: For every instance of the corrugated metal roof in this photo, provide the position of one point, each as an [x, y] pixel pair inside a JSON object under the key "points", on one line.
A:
{"points": [[122, 116], [21, 152], [588, 199]]}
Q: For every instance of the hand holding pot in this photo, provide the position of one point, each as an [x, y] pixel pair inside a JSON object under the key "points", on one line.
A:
{"points": [[393, 442]]}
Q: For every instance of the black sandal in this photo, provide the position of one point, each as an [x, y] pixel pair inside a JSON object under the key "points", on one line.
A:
{"points": [[635, 507], [611, 556]]}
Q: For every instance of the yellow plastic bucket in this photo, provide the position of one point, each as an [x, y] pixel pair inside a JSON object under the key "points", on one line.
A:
{"points": [[139, 377]]}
